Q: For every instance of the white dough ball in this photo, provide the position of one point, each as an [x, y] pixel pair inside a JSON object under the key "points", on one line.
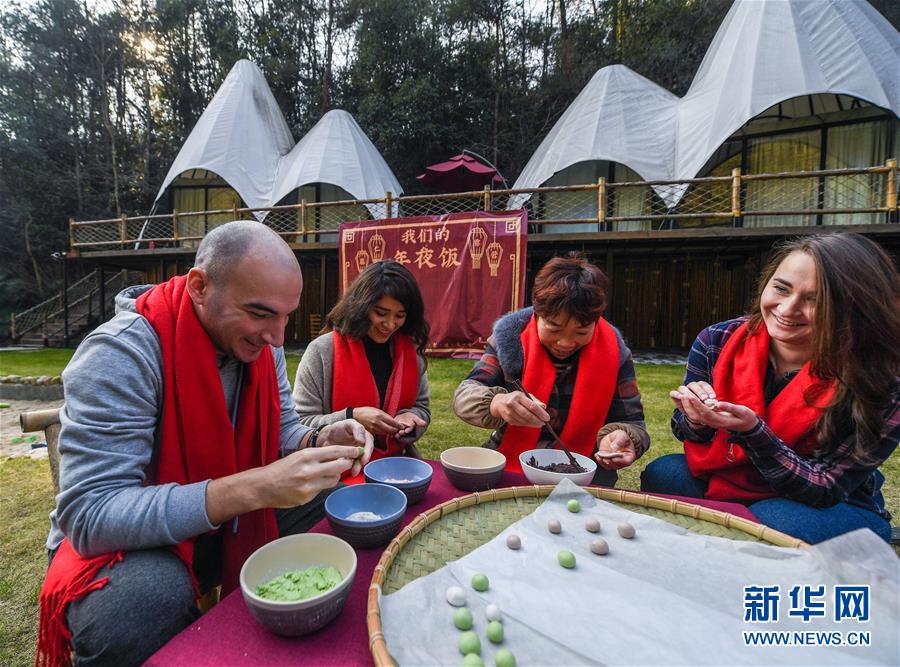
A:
{"points": [[492, 612], [456, 596]]}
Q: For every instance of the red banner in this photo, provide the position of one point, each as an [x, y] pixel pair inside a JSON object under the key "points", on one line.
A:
{"points": [[470, 268]]}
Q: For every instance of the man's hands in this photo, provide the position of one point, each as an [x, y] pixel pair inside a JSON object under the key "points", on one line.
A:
{"points": [[615, 450], [349, 432], [295, 479], [518, 409], [698, 402]]}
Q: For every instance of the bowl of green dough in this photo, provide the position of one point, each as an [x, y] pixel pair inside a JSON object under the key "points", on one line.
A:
{"points": [[298, 584]]}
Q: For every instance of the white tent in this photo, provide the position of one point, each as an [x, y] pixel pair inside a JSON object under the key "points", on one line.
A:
{"points": [[336, 151], [764, 52], [243, 138]]}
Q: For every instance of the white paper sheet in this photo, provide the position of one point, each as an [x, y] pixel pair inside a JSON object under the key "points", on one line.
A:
{"points": [[667, 597]]}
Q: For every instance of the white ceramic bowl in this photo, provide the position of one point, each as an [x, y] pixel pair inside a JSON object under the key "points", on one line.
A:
{"points": [[546, 456], [473, 468], [298, 552]]}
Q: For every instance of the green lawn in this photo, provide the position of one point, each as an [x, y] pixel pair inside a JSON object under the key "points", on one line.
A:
{"points": [[26, 495], [46, 361]]}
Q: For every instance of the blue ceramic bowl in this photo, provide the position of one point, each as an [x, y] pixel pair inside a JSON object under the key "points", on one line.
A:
{"points": [[364, 532], [412, 476]]}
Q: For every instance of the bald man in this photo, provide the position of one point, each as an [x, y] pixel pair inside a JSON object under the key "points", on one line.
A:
{"points": [[178, 439]]}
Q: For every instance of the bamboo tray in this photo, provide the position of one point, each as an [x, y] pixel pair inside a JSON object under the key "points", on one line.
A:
{"points": [[452, 529]]}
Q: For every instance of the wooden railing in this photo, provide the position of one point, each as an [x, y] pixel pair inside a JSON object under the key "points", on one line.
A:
{"points": [[837, 196]]}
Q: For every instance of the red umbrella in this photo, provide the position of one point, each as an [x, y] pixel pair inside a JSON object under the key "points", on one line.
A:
{"points": [[461, 173]]}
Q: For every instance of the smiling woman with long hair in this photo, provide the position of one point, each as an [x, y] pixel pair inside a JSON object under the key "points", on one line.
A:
{"points": [[792, 409], [369, 362]]}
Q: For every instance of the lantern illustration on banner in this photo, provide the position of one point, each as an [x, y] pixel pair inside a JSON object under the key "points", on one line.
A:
{"points": [[376, 247], [477, 237], [494, 253], [362, 260]]}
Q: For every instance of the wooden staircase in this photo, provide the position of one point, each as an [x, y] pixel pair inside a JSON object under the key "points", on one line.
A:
{"points": [[43, 325]]}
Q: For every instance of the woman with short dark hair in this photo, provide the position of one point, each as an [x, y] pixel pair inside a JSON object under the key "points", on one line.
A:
{"points": [[792, 409], [369, 362], [576, 371]]}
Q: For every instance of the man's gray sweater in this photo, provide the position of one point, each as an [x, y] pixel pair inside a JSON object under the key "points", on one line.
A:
{"points": [[110, 432]]}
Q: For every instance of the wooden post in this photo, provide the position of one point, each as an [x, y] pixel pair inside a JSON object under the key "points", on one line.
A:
{"points": [[736, 193], [601, 204], [44, 331], [487, 197], [388, 205], [175, 233], [123, 230], [234, 211], [303, 216], [891, 198], [12, 326], [71, 234]]}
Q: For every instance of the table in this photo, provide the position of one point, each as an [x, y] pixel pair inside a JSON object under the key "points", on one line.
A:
{"points": [[229, 635]]}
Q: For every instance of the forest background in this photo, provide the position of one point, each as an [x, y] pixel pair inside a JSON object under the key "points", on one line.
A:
{"points": [[97, 96]]}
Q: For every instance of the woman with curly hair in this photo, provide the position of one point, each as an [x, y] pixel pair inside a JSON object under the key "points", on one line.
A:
{"points": [[793, 408], [575, 369], [369, 363]]}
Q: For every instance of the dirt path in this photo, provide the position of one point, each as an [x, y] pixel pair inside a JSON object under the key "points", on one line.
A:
{"points": [[9, 428]]}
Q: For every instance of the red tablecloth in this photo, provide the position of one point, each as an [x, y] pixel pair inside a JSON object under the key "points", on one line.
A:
{"points": [[229, 635]]}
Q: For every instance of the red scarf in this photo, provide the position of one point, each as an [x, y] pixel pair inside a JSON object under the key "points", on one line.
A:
{"points": [[595, 385], [350, 362], [198, 442], [739, 377]]}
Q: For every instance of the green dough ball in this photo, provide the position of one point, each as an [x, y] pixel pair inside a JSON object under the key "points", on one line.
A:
{"points": [[469, 643], [462, 619], [566, 558], [504, 658], [480, 582], [495, 631], [573, 506], [473, 660]]}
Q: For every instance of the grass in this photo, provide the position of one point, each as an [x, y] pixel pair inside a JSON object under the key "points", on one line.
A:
{"points": [[26, 495], [46, 361]]}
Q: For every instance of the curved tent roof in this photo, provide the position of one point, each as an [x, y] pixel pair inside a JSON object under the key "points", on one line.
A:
{"points": [[240, 136], [762, 54], [619, 116], [336, 151]]}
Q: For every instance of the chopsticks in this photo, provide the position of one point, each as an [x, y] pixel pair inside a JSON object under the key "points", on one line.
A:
{"points": [[518, 386]]}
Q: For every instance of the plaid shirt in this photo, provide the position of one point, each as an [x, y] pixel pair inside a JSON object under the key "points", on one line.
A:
{"points": [[820, 480], [624, 407]]}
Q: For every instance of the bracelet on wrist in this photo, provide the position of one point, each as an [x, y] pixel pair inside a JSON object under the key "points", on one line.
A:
{"points": [[348, 413], [314, 438]]}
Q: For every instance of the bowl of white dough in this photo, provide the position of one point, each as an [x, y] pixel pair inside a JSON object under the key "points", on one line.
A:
{"points": [[551, 466], [366, 515]]}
